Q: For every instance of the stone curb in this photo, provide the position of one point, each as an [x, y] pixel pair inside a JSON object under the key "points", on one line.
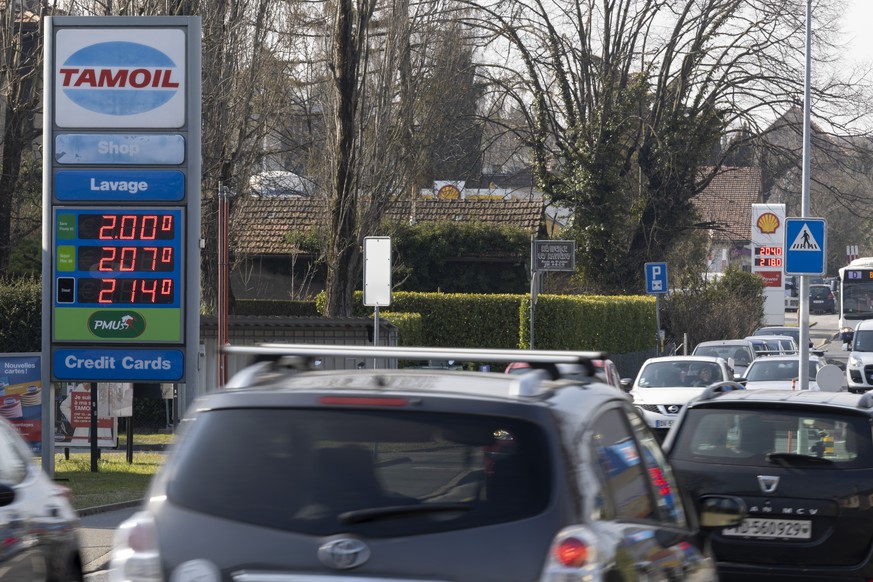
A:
{"points": [[108, 507]]}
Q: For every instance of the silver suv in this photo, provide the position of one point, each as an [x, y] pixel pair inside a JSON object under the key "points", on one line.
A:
{"points": [[406, 475]]}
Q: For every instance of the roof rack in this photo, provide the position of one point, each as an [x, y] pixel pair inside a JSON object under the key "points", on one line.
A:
{"points": [[306, 353]]}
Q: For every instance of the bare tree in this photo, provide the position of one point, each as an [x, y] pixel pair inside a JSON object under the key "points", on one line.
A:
{"points": [[629, 102], [20, 68]]}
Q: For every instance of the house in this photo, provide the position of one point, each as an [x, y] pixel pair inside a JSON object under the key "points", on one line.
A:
{"points": [[725, 209], [272, 259]]}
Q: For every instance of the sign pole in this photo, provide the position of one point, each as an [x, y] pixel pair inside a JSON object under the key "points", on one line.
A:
{"points": [[803, 374]]}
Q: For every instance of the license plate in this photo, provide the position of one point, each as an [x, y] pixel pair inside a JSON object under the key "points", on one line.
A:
{"points": [[799, 529], [664, 423]]}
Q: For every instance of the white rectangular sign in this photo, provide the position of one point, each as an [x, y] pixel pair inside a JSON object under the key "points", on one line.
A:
{"points": [[120, 77], [377, 271]]}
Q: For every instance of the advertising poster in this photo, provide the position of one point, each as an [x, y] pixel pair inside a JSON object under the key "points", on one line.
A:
{"points": [[73, 413], [21, 395]]}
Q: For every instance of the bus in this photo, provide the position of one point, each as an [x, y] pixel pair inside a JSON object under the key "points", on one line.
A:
{"points": [[856, 295]]}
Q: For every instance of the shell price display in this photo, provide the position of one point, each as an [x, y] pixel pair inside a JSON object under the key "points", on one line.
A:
{"points": [[117, 258]]}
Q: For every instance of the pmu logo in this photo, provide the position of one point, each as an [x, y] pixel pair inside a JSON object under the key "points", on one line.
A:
{"points": [[116, 325], [119, 78]]}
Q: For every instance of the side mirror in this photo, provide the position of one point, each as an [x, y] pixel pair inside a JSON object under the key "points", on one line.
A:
{"points": [[721, 511], [627, 384]]}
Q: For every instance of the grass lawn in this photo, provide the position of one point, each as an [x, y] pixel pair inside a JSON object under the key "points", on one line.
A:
{"points": [[116, 480]]}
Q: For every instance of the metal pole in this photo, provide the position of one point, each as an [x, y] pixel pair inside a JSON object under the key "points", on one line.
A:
{"points": [[803, 318], [658, 324], [533, 289], [376, 332]]}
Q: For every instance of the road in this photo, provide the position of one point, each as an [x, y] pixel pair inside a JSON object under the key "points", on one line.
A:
{"points": [[98, 529], [95, 537]]}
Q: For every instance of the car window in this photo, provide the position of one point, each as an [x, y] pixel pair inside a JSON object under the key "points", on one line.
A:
{"points": [[863, 340], [626, 483], [13, 465], [291, 470], [764, 370], [736, 436]]}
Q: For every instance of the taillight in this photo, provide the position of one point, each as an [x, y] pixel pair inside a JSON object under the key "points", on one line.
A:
{"points": [[135, 556], [573, 556], [572, 553], [362, 401]]}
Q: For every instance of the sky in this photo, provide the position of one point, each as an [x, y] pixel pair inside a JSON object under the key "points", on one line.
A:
{"points": [[858, 24]]}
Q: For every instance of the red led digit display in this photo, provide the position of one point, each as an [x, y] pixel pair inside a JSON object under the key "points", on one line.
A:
{"points": [[768, 261], [116, 291], [149, 259], [769, 251], [120, 226]]}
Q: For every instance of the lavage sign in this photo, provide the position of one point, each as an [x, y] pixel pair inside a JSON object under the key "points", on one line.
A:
{"points": [[120, 78]]}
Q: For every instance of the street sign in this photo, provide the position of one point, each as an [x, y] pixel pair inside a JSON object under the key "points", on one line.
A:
{"points": [[555, 255], [656, 277], [805, 246], [377, 271]]}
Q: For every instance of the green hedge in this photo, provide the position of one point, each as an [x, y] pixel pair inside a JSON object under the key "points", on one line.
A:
{"points": [[21, 315], [410, 330], [616, 325]]}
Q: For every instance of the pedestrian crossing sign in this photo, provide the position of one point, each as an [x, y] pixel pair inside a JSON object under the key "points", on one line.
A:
{"points": [[805, 246]]}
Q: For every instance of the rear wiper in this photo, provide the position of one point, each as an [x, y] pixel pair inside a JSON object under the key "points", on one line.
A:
{"points": [[796, 458], [374, 513]]}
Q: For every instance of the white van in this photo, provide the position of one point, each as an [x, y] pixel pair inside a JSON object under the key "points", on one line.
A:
{"points": [[859, 367]]}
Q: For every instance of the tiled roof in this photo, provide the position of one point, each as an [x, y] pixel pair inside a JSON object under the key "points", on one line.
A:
{"points": [[259, 226], [727, 202]]}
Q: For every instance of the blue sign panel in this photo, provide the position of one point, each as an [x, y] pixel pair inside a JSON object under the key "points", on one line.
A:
{"points": [[119, 149], [118, 365], [656, 277], [120, 185], [805, 246]]}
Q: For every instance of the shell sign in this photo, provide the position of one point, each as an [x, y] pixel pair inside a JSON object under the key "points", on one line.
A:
{"points": [[768, 223]]}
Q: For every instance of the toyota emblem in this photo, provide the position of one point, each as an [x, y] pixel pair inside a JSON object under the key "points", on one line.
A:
{"points": [[343, 553]]}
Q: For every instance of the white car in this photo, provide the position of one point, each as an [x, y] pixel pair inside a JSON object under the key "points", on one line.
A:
{"points": [[859, 366], [781, 372], [664, 385]]}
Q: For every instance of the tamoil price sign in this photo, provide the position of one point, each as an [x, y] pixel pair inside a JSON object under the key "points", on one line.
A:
{"points": [[118, 274]]}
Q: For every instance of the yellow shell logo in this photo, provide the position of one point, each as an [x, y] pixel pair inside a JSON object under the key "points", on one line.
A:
{"points": [[448, 192], [767, 223]]}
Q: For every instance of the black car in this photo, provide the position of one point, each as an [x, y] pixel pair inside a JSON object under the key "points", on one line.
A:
{"points": [[803, 463], [821, 299], [415, 474]]}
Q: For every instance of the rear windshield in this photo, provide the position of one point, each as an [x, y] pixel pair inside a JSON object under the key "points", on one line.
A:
{"points": [[742, 355], [377, 473], [725, 435], [763, 370]]}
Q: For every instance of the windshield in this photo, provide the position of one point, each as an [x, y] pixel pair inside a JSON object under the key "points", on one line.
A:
{"points": [[857, 299], [679, 374], [768, 370], [744, 436], [741, 354], [863, 341], [413, 472]]}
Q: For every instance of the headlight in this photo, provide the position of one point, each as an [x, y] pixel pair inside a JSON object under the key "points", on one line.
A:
{"points": [[135, 555], [854, 361]]}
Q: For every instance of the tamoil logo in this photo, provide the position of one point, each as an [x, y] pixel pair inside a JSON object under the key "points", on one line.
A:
{"points": [[116, 324], [119, 78]]}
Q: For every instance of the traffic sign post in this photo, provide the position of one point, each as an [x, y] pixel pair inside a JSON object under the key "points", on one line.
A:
{"points": [[805, 246], [656, 284]]}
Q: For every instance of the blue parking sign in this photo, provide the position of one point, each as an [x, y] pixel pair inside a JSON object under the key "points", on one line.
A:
{"points": [[656, 277], [805, 246]]}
